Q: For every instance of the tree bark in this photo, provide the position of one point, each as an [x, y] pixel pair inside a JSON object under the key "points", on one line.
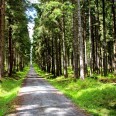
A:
{"points": [[104, 42], [2, 27], [114, 34], [82, 72], [56, 54], [91, 60], [53, 62], [10, 50], [60, 59], [64, 47], [75, 55]]}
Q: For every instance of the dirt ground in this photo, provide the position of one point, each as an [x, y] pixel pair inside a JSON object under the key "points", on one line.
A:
{"points": [[38, 98]]}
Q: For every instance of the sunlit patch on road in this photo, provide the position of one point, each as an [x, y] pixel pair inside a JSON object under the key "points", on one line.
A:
{"points": [[38, 98]]}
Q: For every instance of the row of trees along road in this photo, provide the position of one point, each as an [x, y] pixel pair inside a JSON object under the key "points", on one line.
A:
{"points": [[77, 33], [14, 37]]}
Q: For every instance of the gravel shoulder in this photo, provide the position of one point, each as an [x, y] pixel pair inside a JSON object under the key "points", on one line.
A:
{"points": [[38, 98]]}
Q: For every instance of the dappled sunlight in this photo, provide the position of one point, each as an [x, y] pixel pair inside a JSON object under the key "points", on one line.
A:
{"points": [[54, 110], [39, 98], [95, 97], [98, 98], [6, 94], [89, 90], [9, 89], [102, 112], [27, 107], [36, 90], [48, 110]]}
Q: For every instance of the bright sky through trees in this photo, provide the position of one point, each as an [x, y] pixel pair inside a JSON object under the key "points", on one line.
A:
{"points": [[31, 14]]}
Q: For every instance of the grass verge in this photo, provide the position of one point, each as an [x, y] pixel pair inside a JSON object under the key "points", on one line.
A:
{"points": [[97, 98], [9, 88]]}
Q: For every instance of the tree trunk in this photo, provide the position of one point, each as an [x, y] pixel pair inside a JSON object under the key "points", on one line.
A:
{"points": [[21, 63], [114, 34], [17, 62], [85, 44], [64, 47], [14, 60], [72, 59], [97, 36], [92, 45], [104, 42], [10, 49], [75, 55], [2, 27], [48, 56], [60, 56], [91, 60], [56, 54], [82, 75], [53, 63], [0, 39]]}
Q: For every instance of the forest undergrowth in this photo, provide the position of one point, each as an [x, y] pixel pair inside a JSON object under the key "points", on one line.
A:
{"points": [[97, 95], [9, 87]]}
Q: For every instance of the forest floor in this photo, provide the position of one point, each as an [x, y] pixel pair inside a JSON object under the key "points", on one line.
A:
{"points": [[38, 98], [96, 95]]}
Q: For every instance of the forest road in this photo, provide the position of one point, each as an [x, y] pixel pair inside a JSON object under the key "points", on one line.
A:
{"points": [[38, 98]]}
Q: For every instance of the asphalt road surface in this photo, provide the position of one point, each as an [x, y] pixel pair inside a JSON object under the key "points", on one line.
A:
{"points": [[38, 98]]}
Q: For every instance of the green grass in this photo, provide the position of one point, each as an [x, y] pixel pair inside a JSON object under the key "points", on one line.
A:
{"points": [[9, 89], [98, 99], [42, 73]]}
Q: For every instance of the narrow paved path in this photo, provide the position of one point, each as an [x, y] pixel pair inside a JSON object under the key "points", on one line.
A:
{"points": [[38, 98]]}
